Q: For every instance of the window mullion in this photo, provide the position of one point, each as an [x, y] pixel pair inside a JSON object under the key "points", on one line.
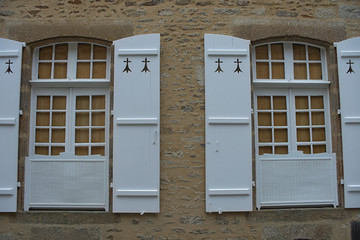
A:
{"points": [[292, 121], [70, 122], [72, 61], [288, 61]]}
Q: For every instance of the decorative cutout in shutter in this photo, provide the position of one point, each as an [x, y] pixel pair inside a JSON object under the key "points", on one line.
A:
{"points": [[136, 167], [348, 52], [228, 124], [10, 79]]}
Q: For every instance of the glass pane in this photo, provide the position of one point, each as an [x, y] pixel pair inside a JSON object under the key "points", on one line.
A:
{"points": [[57, 150], [317, 118], [265, 135], [315, 71], [58, 136], [277, 51], [82, 102], [279, 102], [60, 70], [99, 70], [280, 135], [42, 119], [98, 150], [318, 134], [44, 71], [99, 52], [42, 135], [61, 52], [302, 119], [303, 134], [97, 135], [317, 102], [319, 148], [281, 150], [263, 103], [299, 52], [264, 119], [262, 52], [265, 149], [84, 51], [280, 119], [301, 102], [98, 102], [81, 151], [98, 119], [262, 70], [304, 149], [82, 135], [45, 53], [83, 70], [58, 119], [277, 71], [43, 102], [42, 150], [314, 53], [59, 102], [82, 119], [300, 71]]}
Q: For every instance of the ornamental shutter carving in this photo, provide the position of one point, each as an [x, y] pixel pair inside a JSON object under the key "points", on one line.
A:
{"points": [[136, 145], [228, 124], [10, 79], [348, 52]]}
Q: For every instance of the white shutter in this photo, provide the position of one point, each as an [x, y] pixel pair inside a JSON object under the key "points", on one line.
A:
{"points": [[348, 53], [228, 124], [10, 78], [136, 151]]}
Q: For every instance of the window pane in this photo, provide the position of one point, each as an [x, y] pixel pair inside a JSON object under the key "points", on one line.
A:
{"points": [[82, 135], [318, 134], [42, 136], [99, 70], [98, 150], [81, 151], [262, 52], [319, 148], [302, 119], [82, 102], [281, 150], [299, 52], [317, 118], [303, 134], [264, 119], [262, 70], [300, 71], [301, 102], [277, 71], [314, 53], [44, 71], [279, 102], [98, 119], [61, 52], [42, 150], [83, 70], [84, 51], [99, 52], [280, 119], [58, 119], [59, 102], [280, 135], [82, 119], [98, 102], [315, 71], [265, 149], [58, 136], [304, 149], [45, 53], [43, 102], [265, 135], [263, 103], [60, 70], [42, 119], [277, 51], [317, 102], [97, 135], [57, 150]]}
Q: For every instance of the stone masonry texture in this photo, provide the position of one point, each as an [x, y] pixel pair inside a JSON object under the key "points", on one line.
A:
{"points": [[182, 25]]}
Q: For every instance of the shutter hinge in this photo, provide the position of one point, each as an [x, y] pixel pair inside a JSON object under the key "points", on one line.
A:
{"points": [[252, 111], [111, 185], [112, 112], [339, 111], [20, 112], [18, 184], [342, 181], [253, 183]]}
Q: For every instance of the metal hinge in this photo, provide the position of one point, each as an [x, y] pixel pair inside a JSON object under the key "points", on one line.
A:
{"points": [[18, 184], [342, 181], [253, 183], [339, 111], [111, 185]]}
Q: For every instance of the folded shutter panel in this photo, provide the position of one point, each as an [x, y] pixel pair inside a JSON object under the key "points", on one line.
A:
{"points": [[10, 78], [136, 152], [228, 124], [348, 53]]}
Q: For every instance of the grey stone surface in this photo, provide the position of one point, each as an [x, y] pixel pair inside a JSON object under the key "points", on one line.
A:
{"points": [[349, 11], [62, 233], [307, 231]]}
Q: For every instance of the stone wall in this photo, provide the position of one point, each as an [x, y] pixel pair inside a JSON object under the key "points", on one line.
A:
{"points": [[182, 25]]}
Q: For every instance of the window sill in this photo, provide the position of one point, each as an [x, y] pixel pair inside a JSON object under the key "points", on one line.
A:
{"points": [[70, 83], [291, 83]]}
